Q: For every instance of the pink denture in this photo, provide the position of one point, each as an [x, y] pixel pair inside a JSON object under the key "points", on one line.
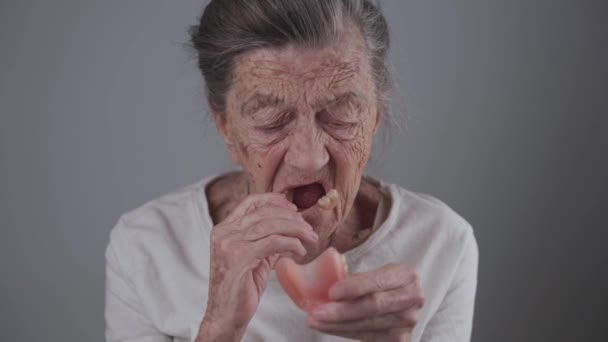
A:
{"points": [[308, 285]]}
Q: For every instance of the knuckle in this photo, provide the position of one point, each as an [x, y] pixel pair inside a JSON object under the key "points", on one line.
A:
{"points": [[420, 299], [299, 246], [251, 203], [403, 299], [281, 242], [236, 224], [274, 240], [245, 220], [415, 277], [333, 312], [411, 319], [246, 203], [416, 296], [378, 283], [401, 319], [259, 210], [298, 216], [292, 244], [376, 303], [303, 232], [254, 207]]}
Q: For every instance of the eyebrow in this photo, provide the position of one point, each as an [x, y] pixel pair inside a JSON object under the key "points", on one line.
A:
{"points": [[344, 97], [259, 101]]}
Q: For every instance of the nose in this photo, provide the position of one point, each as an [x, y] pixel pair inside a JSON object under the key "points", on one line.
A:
{"points": [[306, 152]]}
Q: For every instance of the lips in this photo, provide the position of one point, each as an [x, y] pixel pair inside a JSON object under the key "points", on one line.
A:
{"points": [[305, 196]]}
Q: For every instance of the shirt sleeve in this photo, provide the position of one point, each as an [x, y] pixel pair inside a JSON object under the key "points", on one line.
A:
{"points": [[453, 320], [125, 317]]}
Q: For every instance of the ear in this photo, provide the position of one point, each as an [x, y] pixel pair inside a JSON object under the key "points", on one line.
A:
{"points": [[222, 125]]}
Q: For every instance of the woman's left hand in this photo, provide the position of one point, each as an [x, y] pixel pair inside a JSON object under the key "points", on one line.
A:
{"points": [[380, 305]]}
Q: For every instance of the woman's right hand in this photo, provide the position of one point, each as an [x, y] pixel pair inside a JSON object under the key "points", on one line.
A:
{"points": [[244, 248]]}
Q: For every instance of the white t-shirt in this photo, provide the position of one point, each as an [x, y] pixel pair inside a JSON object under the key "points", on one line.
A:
{"points": [[158, 270]]}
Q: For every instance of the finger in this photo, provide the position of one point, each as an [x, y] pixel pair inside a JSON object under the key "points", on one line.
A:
{"points": [[375, 304], [255, 201], [280, 226], [386, 278], [277, 244], [269, 211], [397, 320]]}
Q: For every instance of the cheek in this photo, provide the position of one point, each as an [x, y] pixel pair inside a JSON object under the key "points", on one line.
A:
{"points": [[260, 161], [252, 146], [353, 154], [352, 158]]}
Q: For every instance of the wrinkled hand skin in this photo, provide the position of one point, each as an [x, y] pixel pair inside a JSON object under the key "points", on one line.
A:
{"points": [[244, 248], [380, 305]]}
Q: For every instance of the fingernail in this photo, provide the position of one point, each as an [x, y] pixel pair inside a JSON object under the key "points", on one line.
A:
{"points": [[336, 293], [314, 236]]}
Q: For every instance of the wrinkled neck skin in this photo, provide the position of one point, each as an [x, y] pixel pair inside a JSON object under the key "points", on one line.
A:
{"points": [[227, 191], [357, 227]]}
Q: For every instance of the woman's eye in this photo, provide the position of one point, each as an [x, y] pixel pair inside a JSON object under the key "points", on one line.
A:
{"points": [[341, 125], [272, 128], [275, 124]]}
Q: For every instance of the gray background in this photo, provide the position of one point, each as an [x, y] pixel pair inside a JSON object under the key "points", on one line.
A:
{"points": [[101, 110]]}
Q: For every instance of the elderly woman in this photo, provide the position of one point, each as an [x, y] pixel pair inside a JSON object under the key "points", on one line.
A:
{"points": [[298, 89]]}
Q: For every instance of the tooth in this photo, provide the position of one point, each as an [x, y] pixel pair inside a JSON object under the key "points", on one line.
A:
{"points": [[323, 202], [329, 201]]}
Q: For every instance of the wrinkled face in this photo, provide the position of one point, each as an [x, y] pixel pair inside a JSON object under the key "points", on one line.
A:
{"points": [[300, 121]]}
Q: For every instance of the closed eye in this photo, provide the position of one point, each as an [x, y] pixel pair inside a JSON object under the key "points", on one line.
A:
{"points": [[276, 125], [272, 128], [341, 125]]}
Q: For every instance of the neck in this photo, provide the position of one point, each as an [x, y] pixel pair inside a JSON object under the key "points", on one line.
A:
{"points": [[358, 225]]}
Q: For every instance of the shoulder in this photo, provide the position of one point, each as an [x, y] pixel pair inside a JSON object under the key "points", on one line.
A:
{"points": [[427, 213], [166, 210], [160, 226], [157, 254], [424, 229]]}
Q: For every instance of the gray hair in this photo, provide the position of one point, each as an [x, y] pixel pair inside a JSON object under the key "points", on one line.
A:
{"points": [[228, 28]]}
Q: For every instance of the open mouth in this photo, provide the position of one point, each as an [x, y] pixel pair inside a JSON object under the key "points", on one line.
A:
{"points": [[306, 196]]}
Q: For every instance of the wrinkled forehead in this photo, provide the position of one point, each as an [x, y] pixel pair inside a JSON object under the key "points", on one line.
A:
{"points": [[295, 72]]}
